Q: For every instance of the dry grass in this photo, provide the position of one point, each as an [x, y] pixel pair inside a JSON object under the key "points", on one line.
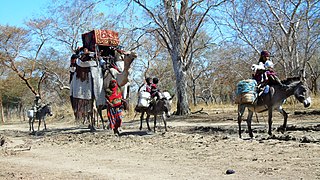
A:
{"points": [[65, 111], [292, 104]]}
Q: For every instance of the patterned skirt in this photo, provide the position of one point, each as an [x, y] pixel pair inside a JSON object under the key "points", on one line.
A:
{"points": [[115, 117]]}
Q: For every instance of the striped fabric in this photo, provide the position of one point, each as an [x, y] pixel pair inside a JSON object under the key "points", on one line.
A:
{"points": [[115, 117]]}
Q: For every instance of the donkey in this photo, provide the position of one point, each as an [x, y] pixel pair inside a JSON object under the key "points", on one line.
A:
{"points": [[161, 107], [274, 100], [40, 115]]}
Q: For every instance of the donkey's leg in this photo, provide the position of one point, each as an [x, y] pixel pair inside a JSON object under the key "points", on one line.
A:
{"points": [[285, 118], [44, 123], [39, 124], [270, 120], [30, 121], [241, 109], [147, 120], [141, 119], [164, 121], [249, 120]]}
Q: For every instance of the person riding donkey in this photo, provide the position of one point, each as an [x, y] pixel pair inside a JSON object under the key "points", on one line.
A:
{"points": [[259, 69], [265, 74], [155, 92], [37, 104], [271, 77]]}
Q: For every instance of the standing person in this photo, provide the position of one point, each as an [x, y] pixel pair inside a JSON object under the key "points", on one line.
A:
{"points": [[114, 102]]}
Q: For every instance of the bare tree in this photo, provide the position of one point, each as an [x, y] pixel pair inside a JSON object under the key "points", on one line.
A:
{"points": [[14, 46], [286, 28], [70, 19], [171, 24]]}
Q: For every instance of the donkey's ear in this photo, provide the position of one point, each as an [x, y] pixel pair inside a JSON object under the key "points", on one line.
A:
{"points": [[302, 75], [171, 97]]}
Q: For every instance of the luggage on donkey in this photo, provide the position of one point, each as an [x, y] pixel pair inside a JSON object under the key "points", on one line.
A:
{"points": [[30, 113], [144, 99], [246, 92]]}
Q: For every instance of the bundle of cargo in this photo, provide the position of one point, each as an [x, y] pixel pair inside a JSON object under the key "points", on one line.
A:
{"points": [[144, 99], [100, 38], [246, 92]]}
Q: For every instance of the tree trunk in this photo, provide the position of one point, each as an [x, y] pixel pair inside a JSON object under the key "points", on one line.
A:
{"points": [[1, 110], [181, 83], [194, 93], [314, 87]]}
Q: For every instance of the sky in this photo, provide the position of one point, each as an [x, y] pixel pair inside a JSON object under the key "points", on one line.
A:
{"points": [[16, 12]]}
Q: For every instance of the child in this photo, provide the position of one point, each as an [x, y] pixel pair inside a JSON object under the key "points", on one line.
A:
{"points": [[155, 92], [271, 77]]}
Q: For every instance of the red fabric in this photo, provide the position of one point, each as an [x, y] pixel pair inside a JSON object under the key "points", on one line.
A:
{"points": [[259, 76], [148, 88], [100, 37], [115, 117], [115, 97], [265, 53], [271, 73], [153, 86], [115, 113]]}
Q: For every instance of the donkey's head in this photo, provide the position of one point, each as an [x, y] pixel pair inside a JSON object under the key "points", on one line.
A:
{"points": [[167, 98], [302, 94], [47, 109]]}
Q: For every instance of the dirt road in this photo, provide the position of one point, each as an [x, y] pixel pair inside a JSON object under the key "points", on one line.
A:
{"points": [[195, 147]]}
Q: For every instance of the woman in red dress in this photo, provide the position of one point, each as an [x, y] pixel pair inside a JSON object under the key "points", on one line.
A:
{"points": [[114, 102]]}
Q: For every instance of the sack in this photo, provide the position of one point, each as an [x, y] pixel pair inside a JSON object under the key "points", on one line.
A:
{"points": [[144, 99], [245, 86], [246, 98], [30, 113]]}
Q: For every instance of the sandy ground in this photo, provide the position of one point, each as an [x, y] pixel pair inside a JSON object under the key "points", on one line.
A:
{"points": [[198, 146]]}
